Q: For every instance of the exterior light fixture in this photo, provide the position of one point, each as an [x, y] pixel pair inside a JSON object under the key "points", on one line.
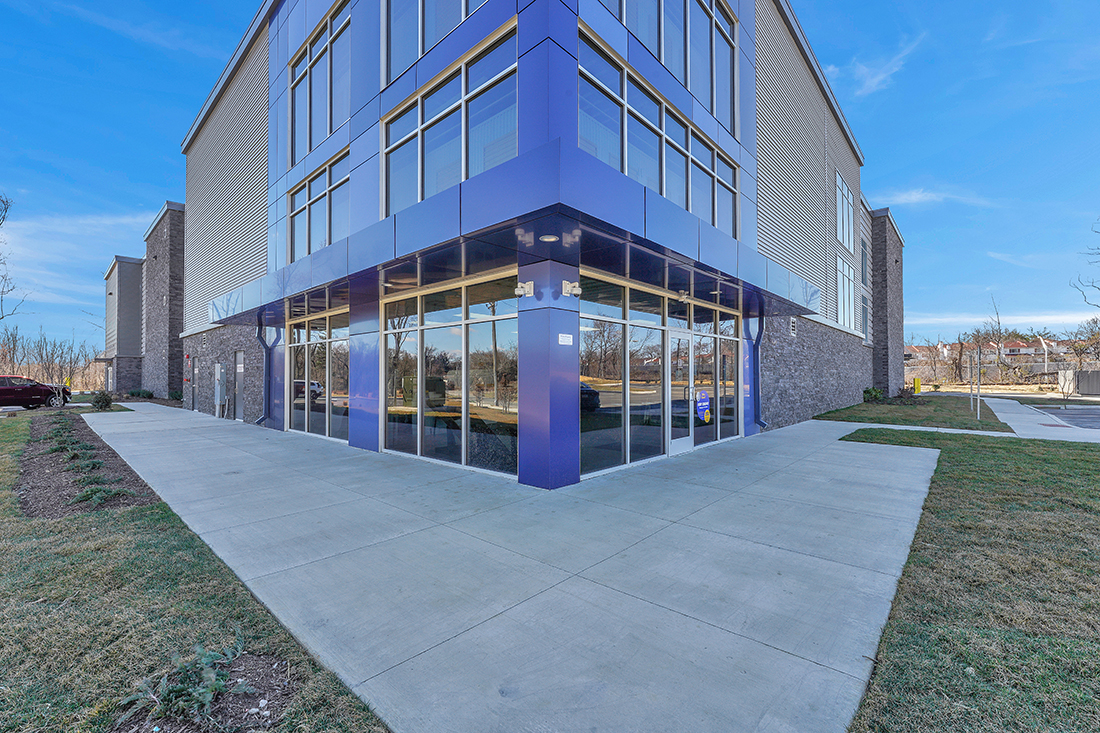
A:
{"points": [[568, 288], [549, 238], [525, 290], [683, 296]]}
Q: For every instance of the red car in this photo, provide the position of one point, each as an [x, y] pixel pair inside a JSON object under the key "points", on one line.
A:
{"points": [[16, 391]]}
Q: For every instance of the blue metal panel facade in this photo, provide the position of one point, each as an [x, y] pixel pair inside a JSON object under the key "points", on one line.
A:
{"points": [[495, 218]]}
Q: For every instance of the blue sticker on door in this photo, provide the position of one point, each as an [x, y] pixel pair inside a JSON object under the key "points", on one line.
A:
{"points": [[702, 406]]}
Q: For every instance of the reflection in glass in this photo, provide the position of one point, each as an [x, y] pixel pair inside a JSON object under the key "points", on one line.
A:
{"points": [[704, 407], [600, 125], [441, 399], [443, 154], [444, 306], [494, 298], [595, 63], [643, 154], [674, 39], [318, 330], [491, 63], [647, 430], [340, 325], [601, 395], [338, 389], [702, 320], [401, 177], [299, 138], [675, 176], [727, 211], [702, 200], [404, 46], [641, 19], [401, 314], [440, 18], [341, 79], [680, 362], [728, 392], [492, 126], [298, 388], [700, 54], [492, 395], [645, 308], [443, 97], [677, 314], [318, 225], [318, 103], [340, 203], [599, 298], [316, 390], [643, 103], [723, 80], [299, 236], [401, 391]]}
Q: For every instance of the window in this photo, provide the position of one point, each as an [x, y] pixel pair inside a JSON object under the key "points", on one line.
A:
{"points": [[845, 294], [459, 128], [625, 125], [414, 27], [320, 86], [865, 263], [320, 210], [865, 318], [319, 370], [696, 41], [845, 214]]}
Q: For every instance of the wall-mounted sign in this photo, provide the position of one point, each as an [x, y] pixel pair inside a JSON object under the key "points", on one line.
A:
{"points": [[565, 339]]}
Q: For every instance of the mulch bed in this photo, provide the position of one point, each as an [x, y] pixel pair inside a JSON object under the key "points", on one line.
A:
{"points": [[45, 488], [246, 711]]}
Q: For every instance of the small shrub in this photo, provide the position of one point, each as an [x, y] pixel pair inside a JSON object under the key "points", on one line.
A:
{"points": [[143, 393], [86, 466], [101, 400], [175, 395], [80, 455], [906, 393], [187, 691], [97, 493], [95, 479], [935, 387], [872, 395]]}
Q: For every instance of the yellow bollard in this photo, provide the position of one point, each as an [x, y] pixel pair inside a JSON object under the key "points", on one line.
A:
{"points": [[916, 385]]}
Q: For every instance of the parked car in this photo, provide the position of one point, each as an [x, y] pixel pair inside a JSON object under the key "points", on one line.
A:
{"points": [[590, 399], [315, 389], [17, 391]]}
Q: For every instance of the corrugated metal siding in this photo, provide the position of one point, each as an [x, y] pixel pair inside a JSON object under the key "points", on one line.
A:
{"points": [[110, 327], [225, 224], [793, 225]]}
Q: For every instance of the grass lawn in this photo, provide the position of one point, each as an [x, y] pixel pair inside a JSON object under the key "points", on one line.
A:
{"points": [[996, 622], [942, 411], [92, 603]]}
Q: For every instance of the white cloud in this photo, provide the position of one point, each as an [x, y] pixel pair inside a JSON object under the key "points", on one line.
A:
{"points": [[1032, 261], [1053, 320], [924, 196], [875, 78], [167, 37]]}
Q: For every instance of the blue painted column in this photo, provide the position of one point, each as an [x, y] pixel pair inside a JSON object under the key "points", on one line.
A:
{"points": [[364, 386], [549, 379]]}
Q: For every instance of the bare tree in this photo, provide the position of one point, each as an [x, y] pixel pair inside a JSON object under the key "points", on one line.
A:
{"points": [[9, 292], [1078, 344], [1086, 285]]}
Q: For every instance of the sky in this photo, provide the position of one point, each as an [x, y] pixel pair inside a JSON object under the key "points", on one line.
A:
{"points": [[978, 121]]}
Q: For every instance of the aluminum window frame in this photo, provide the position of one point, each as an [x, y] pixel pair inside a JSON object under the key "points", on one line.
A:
{"points": [[334, 26], [388, 72], [304, 344], [628, 76], [292, 255], [466, 96]]}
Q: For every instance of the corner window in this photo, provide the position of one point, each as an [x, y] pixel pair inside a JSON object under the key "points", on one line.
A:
{"points": [[320, 210], [845, 214], [458, 128], [320, 85], [660, 150]]}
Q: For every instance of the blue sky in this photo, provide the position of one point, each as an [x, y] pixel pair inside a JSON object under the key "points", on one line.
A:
{"points": [[978, 121]]}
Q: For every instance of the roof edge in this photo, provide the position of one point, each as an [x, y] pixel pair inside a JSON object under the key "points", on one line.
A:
{"points": [[795, 28], [877, 213], [168, 206], [122, 258], [259, 21]]}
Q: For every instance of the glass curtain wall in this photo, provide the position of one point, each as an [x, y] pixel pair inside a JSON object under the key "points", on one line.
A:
{"points": [[451, 375], [319, 376]]}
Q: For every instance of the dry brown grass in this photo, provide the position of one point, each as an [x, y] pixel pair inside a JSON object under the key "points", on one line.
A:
{"points": [[90, 604], [996, 623]]}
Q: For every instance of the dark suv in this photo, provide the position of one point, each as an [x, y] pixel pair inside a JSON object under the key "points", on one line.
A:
{"points": [[18, 391]]}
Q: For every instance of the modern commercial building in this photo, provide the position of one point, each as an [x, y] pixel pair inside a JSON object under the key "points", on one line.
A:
{"points": [[144, 311], [544, 238]]}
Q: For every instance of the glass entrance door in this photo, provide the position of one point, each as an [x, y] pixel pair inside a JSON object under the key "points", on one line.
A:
{"points": [[681, 382], [704, 405]]}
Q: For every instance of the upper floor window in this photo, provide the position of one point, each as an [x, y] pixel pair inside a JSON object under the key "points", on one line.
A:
{"points": [[845, 214], [626, 126], [320, 209], [320, 85], [845, 294], [462, 126], [865, 262], [695, 40], [414, 26]]}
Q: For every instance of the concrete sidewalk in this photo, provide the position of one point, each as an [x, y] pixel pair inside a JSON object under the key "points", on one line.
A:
{"points": [[1029, 422], [742, 587]]}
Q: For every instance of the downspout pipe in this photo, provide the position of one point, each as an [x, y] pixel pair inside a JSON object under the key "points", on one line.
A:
{"points": [[267, 367], [758, 419]]}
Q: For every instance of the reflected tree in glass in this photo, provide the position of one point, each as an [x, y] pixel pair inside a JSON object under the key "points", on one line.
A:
{"points": [[601, 395], [441, 400], [401, 391], [491, 394], [646, 393], [338, 389]]}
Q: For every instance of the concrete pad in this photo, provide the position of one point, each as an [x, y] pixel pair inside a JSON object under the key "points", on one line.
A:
{"points": [[864, 540], [452, 499], [368, 610], [270, 545], [653, 496], [223, 511], [813, 608], [582, 657], [560, 530]]}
